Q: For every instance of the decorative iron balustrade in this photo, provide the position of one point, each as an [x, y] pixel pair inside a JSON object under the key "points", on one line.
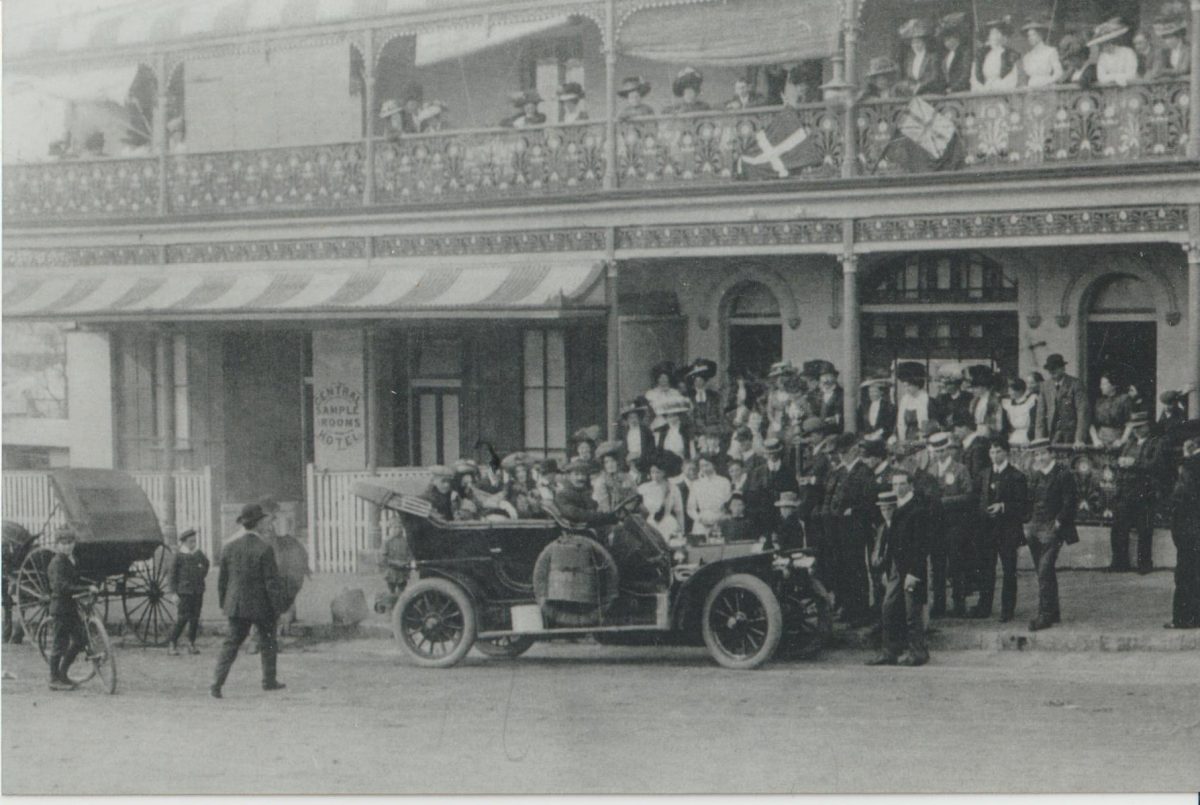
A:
{"points": [[490, 163], [313, 177], [704, 147], [1024, 128], [94, 188]]}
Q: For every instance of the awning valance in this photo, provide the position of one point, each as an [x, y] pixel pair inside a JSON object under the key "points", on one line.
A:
{"points": [[454, 43], [433, 288], [734, 33]]}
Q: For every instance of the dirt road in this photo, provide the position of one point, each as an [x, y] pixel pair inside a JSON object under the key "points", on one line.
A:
{"points": [[582, 718]]}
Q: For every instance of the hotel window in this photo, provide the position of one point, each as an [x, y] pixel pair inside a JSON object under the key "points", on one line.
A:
{"points": [[545, 391], [177, 345]]}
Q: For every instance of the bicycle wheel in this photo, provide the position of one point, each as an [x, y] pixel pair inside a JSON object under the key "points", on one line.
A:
{"points": [[100, 654], [82, 670]]}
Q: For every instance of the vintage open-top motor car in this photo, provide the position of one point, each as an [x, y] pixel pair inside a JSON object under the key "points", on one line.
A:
{"points": [[503, 584]]}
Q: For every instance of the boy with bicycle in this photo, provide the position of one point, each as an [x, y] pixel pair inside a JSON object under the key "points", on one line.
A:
{"points": [[69, 636]]}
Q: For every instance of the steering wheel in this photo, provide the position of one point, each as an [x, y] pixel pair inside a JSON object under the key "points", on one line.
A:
{"points": [[627, 506]]}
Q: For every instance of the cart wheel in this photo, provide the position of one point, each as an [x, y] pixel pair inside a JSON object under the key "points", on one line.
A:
{"points": [[742, 622], [149, 612], [82, 670], [809, 624], [505, 647], [434, 623], [99, 654], [32, 589]]}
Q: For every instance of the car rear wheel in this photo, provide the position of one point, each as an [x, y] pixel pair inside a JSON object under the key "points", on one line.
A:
{"points": [[505, 647], [743, 622], [434, 623]]}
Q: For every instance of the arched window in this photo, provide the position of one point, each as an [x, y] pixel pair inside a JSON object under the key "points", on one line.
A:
{"points": [[945, 277], [1121, 294], [753, 300]]}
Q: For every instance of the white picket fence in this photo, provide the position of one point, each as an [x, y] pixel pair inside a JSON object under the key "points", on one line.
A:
{"points": [[338, 522], [29, 500]]}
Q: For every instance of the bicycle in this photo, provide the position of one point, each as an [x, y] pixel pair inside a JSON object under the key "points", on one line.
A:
{"points": [[98, 658]]}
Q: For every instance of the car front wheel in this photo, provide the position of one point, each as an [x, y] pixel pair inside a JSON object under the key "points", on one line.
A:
{"points": [[743, 622], [434, 623]]}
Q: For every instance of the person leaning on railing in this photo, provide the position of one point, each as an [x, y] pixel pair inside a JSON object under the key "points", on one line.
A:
{"points": [[1117, 64], [1173, 59], [1040, 64]]}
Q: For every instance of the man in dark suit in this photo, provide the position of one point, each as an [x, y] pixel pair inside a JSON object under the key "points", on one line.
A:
{"points": [[1053, 502], [1185, 532], [902, 556], [854, 512], [1003, 503], [765, 483], [249, 591], [1138, 468], [1063, 416], [575, 502], [951, 481], [829, 398], [438, 491], [69, 636]]}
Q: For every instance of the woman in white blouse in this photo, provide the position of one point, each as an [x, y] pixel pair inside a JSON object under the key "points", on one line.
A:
{"points": [[1117, 64], [707, 498], [662, 502], [997, 67], [1040, 63], [1020, 412]]}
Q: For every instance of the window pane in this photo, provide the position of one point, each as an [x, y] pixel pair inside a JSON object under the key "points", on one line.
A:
{"points": [[535, 419], [533, 359], [450, 427], [427, 425], [182, 420], [556, 359], [556, 419]]}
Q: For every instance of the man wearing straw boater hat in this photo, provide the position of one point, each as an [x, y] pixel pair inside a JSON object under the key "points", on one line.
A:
{"points": [[249, 591], [1053, 502]]}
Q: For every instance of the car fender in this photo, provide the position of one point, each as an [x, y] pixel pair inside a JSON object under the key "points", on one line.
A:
{"points": [[689, 599]]}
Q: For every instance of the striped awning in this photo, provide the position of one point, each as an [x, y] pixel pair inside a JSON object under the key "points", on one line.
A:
{"points": [[432, 289]]}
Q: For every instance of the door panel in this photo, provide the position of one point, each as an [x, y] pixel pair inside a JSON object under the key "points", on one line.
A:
{"points": [[1129, 347], [645, 342], [754, 347]]}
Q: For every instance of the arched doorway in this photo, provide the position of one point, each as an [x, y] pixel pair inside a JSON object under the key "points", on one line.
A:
{"points": [[1122, 334], [753, 328]]}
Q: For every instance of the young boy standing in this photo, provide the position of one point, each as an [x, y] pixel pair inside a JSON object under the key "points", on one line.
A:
{"points": [[187, 581]]}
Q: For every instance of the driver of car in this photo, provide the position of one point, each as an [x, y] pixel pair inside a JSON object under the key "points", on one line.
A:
{"points": [[438, 492], [575, 502]]}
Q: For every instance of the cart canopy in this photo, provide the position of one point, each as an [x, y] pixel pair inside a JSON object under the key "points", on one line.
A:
{"points": [[106, 506]]}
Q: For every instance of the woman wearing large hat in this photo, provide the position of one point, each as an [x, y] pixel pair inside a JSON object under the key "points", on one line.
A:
{"points": [[1173, 59], [877, 414], [997, 65], [636, 436], [686, 87], [527, 102], [571, 95], [707, 410], [633, 92], [1117, 63], [922, 70], [1040, 63], [662, 376], [674, 434], [612, 484], [882, 75], [956, 59]]}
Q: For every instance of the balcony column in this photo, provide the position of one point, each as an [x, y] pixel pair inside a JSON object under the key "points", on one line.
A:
{"points": [[610, 95], [849, 88], [165, 370], [851, 329], [613, 363], [369, 96], [159, 137], [1193, 143], [1192, 249]]}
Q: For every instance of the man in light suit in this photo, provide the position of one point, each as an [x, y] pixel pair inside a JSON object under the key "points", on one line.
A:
{"points": [[250, 593], [1064, 415]]}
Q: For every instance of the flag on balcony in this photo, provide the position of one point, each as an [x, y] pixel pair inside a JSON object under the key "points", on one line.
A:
{"points": [[783, 148], [925, 140]]}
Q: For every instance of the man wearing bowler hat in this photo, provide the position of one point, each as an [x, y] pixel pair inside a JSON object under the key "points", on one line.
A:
{"points": [[1053, 502], [852, 506], [1003, 505], [1140, 464], [1063, 417], [248, 588]]}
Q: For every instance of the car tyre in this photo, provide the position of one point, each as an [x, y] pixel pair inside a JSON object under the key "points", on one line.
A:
{"points": [[509, 647], [742, 622], [434, 623]]}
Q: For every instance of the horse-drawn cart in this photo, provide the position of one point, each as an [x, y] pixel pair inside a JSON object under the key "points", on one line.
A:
{"points": [[119, 548]]}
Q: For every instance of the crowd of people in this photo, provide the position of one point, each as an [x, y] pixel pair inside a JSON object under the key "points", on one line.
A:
{"points": [[918, 506]]}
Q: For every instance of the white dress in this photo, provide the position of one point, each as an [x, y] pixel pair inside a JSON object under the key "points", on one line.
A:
{"points": [[1020, 417], [665, 507], [989, 73], [1042, 65], [1119, 66], [706, 500]]}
